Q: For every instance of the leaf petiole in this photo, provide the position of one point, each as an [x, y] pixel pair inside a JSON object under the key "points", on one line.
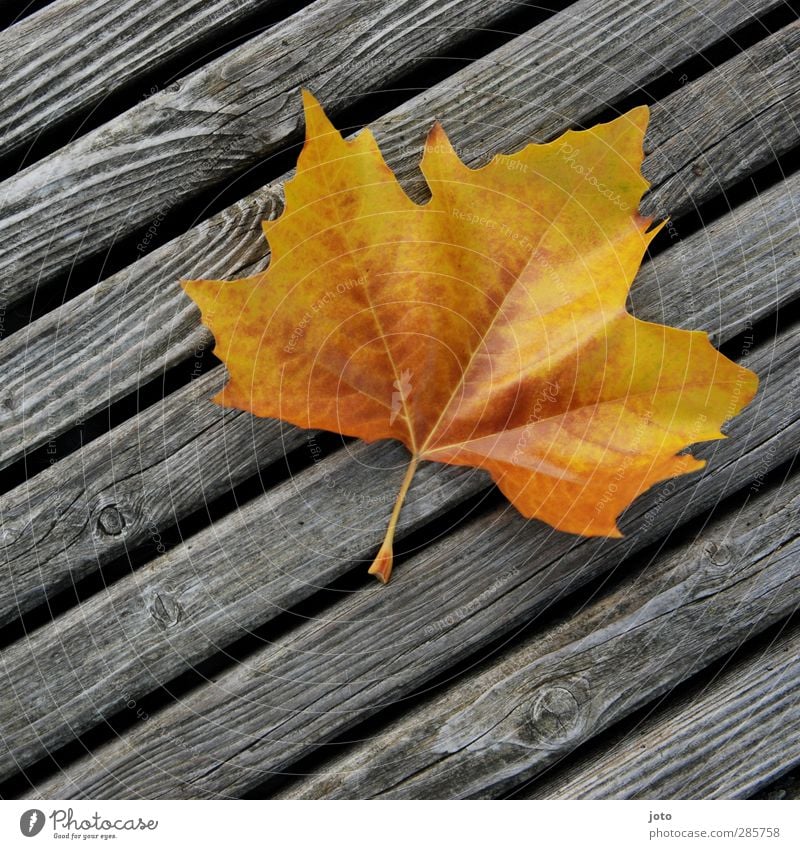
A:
{"points": [[382, 565]]}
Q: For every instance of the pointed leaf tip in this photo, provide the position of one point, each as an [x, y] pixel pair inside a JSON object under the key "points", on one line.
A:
{"points": [[317, 122], [437, 137], [309, 101]]}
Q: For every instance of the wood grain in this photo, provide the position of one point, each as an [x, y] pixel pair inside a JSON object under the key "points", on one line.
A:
{"points": [[215, 123], [369, 650], [726, 741], [369, 647], [694, 128], [124, 490], [129, 328], [246, 569], [173, 458], [72, 54], [671, 617]]}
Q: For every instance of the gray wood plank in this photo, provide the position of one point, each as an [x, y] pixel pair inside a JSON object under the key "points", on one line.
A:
{"points": [[124, 490], [247, 568], [364, 652], [214, 123], [695, 128], [174, 457], [70, 55], [671, 617], [741, 732], [130, 327]]}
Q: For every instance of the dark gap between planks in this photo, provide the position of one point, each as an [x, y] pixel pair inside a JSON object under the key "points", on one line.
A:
{"points": [[235, 653], [784, 788], [625, 729], [274, 473], [75, 438], [729, 46], [287, 621], [119, 100], [761, 333], [751, 186], [184, 372], [13, 11], [557, 613], [107, 574], [183, 216], [723, 203]]}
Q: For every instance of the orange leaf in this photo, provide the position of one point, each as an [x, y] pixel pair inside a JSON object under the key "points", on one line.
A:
{"points": [[484, 328]]}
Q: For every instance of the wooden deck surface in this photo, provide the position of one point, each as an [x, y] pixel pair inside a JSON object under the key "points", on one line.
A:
{"points": [[184, 609]]}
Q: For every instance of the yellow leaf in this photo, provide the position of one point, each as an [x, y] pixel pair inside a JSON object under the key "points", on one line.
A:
{"points": [[485, 328]]}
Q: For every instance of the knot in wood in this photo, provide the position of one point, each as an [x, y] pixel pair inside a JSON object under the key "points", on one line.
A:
{"points": [[111, 521], [719, 554], [273, 203], [553, 716], [165, 609], [9, 534], [8, 404]]}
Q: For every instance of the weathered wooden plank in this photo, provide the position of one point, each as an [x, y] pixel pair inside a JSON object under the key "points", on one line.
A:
{"points": [[131, 327], [124, 490], [727, 741], [163, 465], [71, 55], [673, 616], [224, 581], [753, 92], [213, 123], [366, 651]]}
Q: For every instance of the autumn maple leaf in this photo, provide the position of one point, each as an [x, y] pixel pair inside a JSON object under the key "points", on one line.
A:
{"points": [[485, 328]]}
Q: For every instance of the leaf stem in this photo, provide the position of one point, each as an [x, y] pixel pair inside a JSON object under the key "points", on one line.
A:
{"points": [[382, 565]]}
